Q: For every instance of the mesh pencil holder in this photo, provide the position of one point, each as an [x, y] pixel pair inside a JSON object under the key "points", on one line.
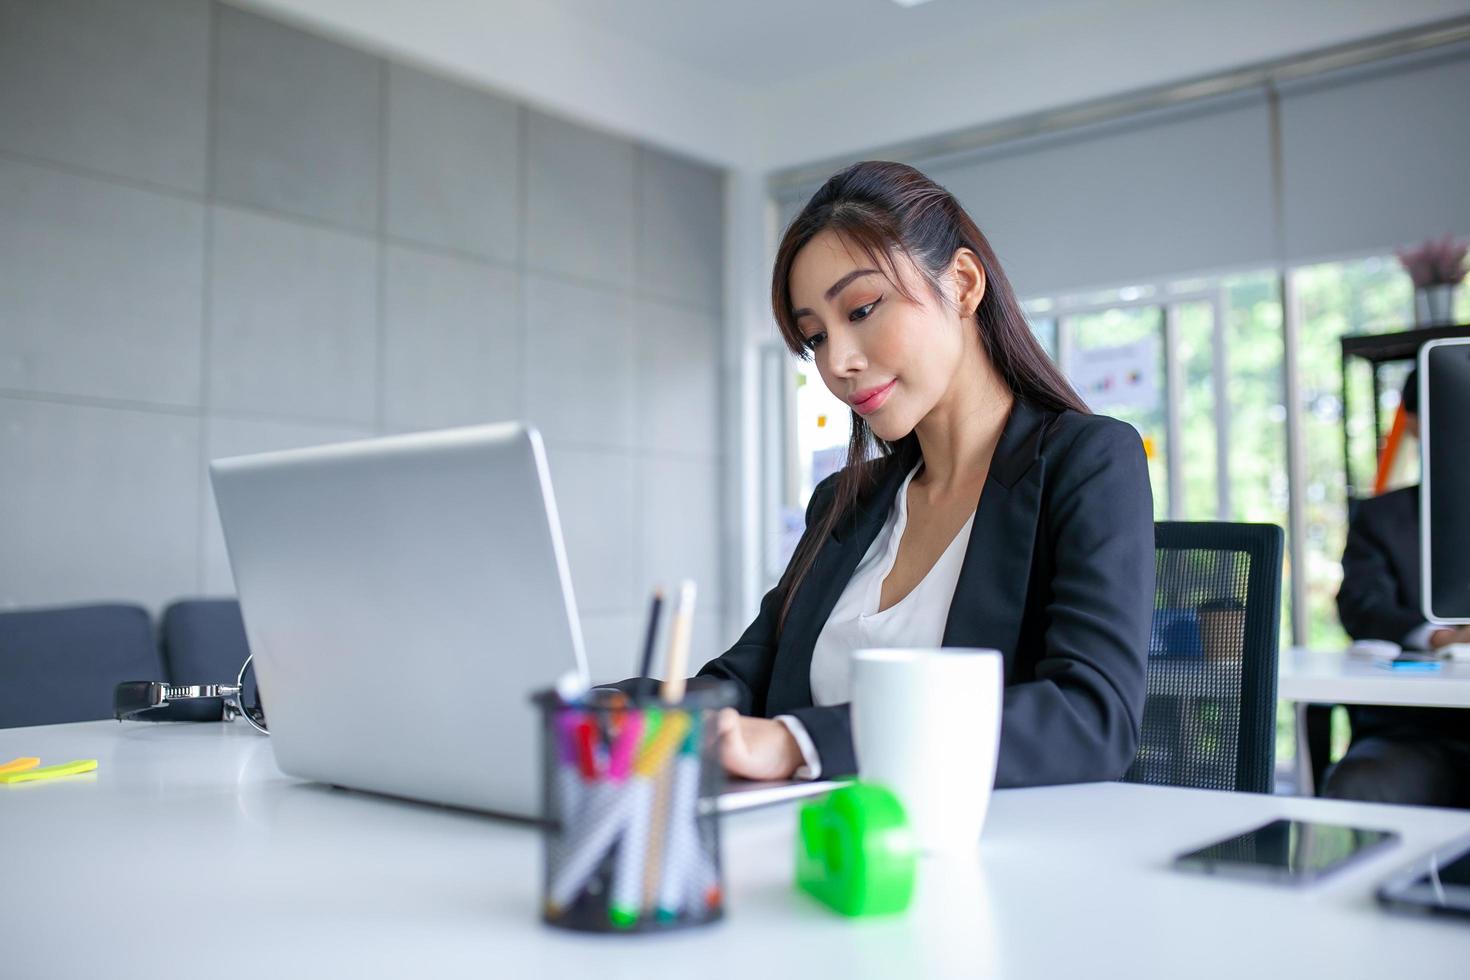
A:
{"points": [[631, 833]]}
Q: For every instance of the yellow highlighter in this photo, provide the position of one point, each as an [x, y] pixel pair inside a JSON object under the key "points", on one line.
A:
{"points": [[49, 772], [16, 765]]}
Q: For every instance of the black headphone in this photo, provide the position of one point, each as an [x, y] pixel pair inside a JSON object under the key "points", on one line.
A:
{"points": [[161, 701]]}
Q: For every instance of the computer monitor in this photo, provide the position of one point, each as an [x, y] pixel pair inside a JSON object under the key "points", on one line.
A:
{"points": [[1444, 490]]}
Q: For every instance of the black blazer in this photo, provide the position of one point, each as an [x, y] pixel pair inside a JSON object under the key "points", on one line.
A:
{"points": [[1380, 600], [1380, 597], [1058, 576]]}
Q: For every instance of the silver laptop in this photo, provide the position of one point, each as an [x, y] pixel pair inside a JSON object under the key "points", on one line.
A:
{"points": [[403, 597]]}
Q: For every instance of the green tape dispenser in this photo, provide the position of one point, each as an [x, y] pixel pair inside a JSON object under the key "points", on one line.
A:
{"points": [[855, 851]]}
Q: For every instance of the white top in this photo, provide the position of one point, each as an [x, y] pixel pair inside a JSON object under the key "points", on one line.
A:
{"points": [[188, 846], [916, 620]]}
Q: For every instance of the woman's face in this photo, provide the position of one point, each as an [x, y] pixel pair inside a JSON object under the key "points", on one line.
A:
{"points": [[890, 358]]}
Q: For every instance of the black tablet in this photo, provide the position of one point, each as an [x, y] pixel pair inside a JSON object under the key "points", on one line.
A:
{"points": [[1438, 883], [1289, 851]]}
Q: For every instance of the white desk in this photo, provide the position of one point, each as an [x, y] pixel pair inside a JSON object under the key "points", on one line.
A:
{"points": [[1334, 677], [189, 840]]}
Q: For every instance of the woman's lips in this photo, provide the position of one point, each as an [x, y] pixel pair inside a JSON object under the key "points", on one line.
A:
{"points": [[874, 401]]}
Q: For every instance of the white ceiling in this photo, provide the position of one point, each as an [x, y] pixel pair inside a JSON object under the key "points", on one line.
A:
{"points": [[760, 42], [759, 85]]}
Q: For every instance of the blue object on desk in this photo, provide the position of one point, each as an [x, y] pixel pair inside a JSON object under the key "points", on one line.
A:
{"points": [[1408, 664]]}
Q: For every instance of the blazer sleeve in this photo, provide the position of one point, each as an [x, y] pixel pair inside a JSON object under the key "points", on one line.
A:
{"points": [[1368, 602], [1079, 719], [747, 664]]}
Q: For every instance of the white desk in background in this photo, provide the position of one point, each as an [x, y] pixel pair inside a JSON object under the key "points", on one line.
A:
{"points": [[189, 852], [1335, 677]]}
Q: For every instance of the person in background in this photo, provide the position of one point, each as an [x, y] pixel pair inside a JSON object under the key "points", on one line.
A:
{"points": [[1398, 755]]}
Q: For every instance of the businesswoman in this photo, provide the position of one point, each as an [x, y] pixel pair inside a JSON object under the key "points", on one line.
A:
{"points": [[981, 504]]}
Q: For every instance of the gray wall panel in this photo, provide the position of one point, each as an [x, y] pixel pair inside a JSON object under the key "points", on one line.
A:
{"points": [[580, 378], [99, 288], [678, 379], [293, 319], [677, 498], [452, 341], [579, 202], [681, 231], [614, 645], [371, 254], [453, 166], [595, 499], [115, 87], [96, 504], [297, 122]]}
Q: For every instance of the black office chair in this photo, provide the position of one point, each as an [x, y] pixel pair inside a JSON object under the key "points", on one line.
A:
{"points": [[1318, 719], [204, 642], [62, 664], [1209, 720]]}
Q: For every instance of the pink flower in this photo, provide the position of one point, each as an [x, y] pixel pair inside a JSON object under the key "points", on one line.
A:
{"points": [[1437, 262]]}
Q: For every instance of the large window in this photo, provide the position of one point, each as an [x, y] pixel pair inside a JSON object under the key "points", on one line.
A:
{"points": [[1370, 295], [823, 428], [1127, 343], [1212, 417]]}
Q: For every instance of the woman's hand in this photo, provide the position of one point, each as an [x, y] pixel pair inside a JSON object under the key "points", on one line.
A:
{"points": [[1444, 637], [757, 748]]}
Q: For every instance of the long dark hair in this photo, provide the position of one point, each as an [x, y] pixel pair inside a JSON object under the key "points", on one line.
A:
{"points": [[885, 209]]}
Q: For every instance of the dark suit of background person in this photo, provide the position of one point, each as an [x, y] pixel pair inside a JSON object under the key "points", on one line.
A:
{"points": [[1058, 576], [1397, 755]]}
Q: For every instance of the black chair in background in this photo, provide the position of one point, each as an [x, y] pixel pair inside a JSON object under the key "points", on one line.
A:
{"points": [[1209, 720], [61, 664], [203, 642], [1318, 719]]}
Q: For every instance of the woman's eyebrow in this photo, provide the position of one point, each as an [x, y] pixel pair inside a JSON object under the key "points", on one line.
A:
{"points": [[834, 289]]}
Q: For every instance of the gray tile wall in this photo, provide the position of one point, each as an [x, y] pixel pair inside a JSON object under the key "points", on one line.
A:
{"points": [[220, 235]]}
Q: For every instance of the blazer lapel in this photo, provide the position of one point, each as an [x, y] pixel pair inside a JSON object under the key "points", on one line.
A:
{"points": [[990, 595], [830, 572]]}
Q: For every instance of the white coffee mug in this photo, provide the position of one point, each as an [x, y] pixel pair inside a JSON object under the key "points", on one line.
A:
{"points": [[926, 724]]}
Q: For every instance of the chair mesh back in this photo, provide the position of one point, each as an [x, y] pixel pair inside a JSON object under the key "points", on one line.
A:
{"points": [[1209, 720]]}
